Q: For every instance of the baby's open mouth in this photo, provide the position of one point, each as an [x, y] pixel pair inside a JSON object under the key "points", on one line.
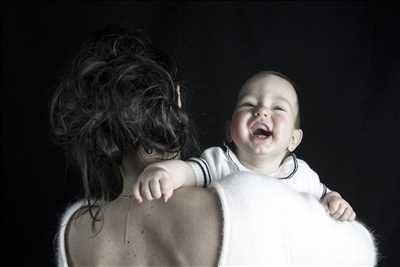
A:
{"points": [[262, 133]]}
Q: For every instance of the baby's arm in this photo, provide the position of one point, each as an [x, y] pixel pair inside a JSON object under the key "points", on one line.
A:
{"points": [[337, 207], [162, 178]]}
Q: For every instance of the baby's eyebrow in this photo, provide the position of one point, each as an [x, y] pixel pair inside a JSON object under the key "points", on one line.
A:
{"points": [[283, 99], [245, 98]]}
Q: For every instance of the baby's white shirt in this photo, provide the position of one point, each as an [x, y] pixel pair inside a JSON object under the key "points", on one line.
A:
{"points": [[215, 163]]}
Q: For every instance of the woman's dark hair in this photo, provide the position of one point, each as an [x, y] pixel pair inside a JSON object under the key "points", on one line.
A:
{"points": [[119, 94]]}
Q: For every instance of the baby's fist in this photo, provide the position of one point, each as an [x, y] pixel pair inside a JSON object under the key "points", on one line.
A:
{"points": [[337, 207], [153, 183]]}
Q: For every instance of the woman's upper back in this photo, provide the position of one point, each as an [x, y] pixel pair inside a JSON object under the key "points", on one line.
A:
{"points": [[184, 231]]}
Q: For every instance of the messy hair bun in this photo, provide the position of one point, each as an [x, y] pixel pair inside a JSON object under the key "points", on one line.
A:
{"points": [[119, 94]]}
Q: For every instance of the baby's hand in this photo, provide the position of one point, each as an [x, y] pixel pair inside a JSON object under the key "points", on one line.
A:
{"points": [[337, 207], [153, 183]]}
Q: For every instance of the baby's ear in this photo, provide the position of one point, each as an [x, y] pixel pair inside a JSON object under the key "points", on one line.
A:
{"points": [[295, 139], [228, 136]]}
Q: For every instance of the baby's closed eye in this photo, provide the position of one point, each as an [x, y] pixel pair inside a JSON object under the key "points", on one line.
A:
{"points": [[247, 104], [280, 108]]}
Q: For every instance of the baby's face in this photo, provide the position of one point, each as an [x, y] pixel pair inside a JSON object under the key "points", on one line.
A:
{"points": [[264, 117]]}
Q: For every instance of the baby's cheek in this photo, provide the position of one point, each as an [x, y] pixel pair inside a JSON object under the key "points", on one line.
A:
{"points": [[284, 125], [283, 119], [237, 116], [237, 124]]}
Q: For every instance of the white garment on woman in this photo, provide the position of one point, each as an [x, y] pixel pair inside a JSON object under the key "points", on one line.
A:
{"points": [[266, 223], [61, 254], [216, 163]]}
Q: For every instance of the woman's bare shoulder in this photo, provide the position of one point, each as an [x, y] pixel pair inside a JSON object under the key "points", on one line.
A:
{"points": [[191, 220], [184, 231]]}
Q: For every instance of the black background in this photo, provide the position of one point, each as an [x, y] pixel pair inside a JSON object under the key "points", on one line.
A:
{"points": [[344, 57]]}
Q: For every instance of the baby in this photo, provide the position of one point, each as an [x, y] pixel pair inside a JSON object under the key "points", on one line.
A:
{"points": [[264, 132]]}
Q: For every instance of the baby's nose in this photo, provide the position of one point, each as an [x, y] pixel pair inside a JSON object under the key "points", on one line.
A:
{"points": [[261, 112]]}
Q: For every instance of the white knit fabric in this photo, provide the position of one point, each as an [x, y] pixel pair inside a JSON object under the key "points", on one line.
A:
{"points": [[267, 223]]}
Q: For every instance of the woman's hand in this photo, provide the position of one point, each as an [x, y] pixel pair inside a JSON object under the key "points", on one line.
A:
{"points": [[337, 207]]}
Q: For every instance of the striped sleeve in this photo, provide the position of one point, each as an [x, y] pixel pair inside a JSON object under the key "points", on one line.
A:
{"points": [[319, 189], [201, 171], [325, 190], [210, 167], [314, 185]]}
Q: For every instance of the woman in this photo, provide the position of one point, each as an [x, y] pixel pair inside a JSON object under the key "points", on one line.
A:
{"points": [[118, 110]]}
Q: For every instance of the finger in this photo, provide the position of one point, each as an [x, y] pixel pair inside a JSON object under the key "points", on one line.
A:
{"points": [[353, 216], [346, 214], [136, 192], [339, 212], [145, 190], [334, 206], [155, 189], [166, 189], [168, 194]]}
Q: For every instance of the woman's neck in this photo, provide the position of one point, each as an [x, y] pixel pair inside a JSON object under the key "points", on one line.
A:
{"points": [[132, 166]]}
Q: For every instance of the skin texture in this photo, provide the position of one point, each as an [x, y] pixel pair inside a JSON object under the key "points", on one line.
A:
{"points": [[153, 234]]}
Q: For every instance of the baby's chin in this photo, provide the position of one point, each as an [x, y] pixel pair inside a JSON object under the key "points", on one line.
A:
{"points": [[262, 142]]}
